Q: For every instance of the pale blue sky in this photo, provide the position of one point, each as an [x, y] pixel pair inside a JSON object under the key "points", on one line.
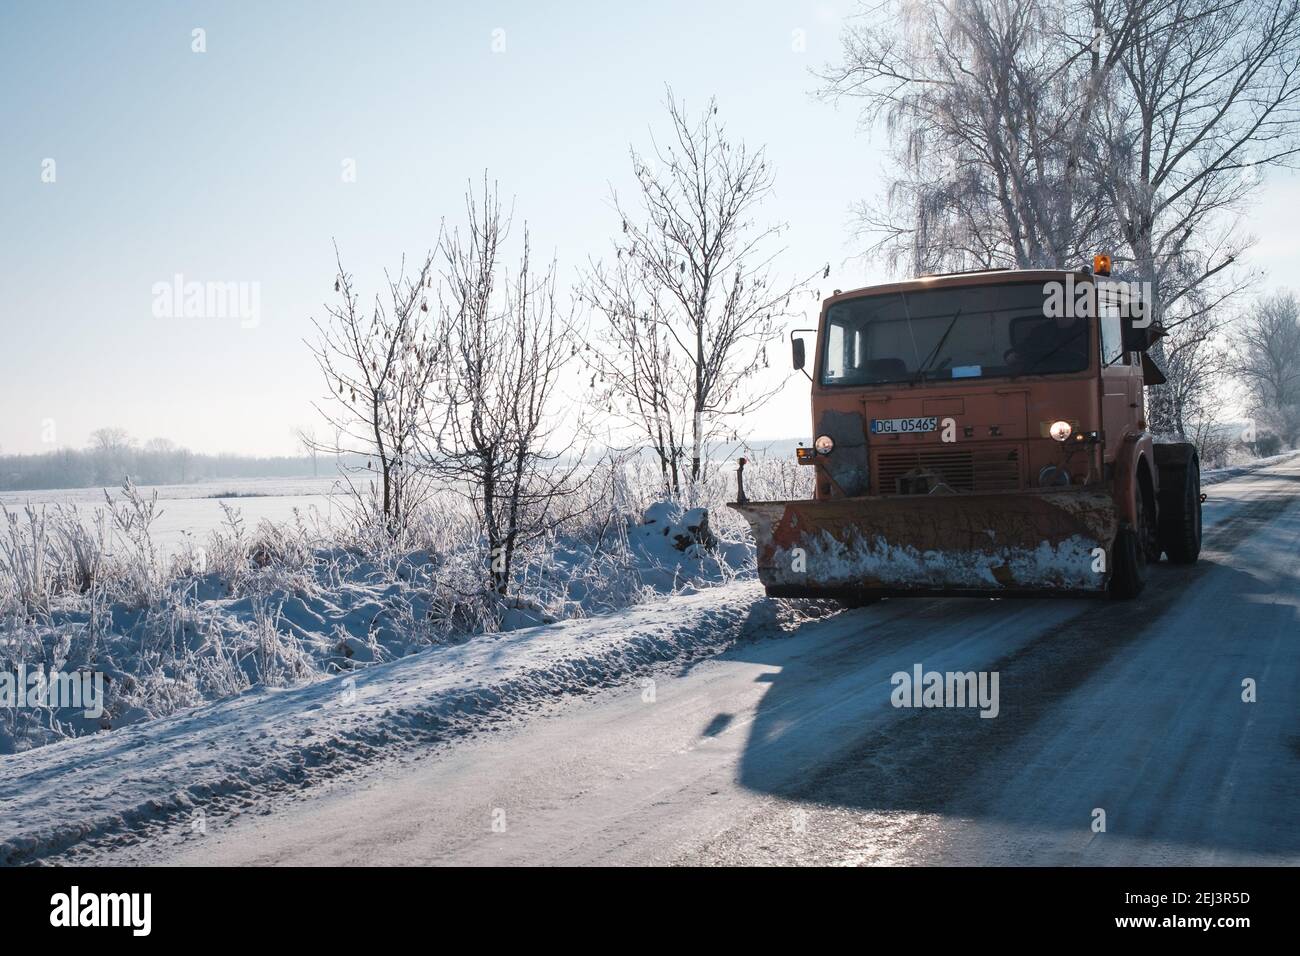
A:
{"points": [[226, 166]]}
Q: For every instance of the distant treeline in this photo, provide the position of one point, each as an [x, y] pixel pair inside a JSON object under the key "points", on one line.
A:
{"points": [[95, 467], [112, 456]]}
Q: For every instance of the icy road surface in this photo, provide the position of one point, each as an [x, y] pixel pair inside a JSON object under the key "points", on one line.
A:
{"points": [[785, 748]]}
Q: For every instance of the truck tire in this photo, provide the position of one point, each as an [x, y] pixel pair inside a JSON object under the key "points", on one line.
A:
{"points": [[1129, 554], [1180, 514], [1129, 575]]}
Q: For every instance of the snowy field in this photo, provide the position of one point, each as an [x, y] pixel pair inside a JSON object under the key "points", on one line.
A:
{"points": [[189, 513]]}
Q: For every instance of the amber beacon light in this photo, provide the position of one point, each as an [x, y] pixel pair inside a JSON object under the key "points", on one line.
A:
{"points": [[1101, 264]]}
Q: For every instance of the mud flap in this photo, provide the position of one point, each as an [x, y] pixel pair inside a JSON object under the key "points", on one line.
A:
{"points": [[1032, 543]]}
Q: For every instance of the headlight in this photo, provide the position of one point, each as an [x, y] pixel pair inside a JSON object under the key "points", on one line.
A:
{"points": [[1060, 430], [824, 444]]}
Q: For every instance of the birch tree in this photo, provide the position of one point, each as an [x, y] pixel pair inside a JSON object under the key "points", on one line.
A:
{"points": [[1205, 100], [988, 106]]}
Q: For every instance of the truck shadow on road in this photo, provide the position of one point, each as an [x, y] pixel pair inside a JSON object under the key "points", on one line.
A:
{"points": [[1104, 707]]}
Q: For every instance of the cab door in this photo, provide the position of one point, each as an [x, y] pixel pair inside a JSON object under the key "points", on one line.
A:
{"points": [[1117, 380]]}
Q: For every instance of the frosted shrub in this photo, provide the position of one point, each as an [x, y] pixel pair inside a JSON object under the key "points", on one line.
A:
{"points": [[227, 549], [278, 659], [139, 566], [25, 562], [81, 546]]}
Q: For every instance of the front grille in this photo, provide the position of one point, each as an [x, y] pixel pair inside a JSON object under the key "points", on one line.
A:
{"points": [[983, 469]]}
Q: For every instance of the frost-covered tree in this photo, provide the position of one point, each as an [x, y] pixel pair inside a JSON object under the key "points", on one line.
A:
{"points": [[988, 105], [1205, 100], [1267, 360], [691, 302], [378, 364], [1035, 132], [491, 431], [637, 370], [111, 450]]}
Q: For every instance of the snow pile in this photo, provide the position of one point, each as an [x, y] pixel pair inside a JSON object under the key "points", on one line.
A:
{"points": [[670, 540]]}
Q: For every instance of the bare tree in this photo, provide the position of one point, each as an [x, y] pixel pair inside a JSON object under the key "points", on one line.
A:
{"points": [[1033, 132], [692, 293], [1206, 98], [1267, 360], [491, 433], [637, 371], [1196, 365], [378, 366], [988, 104], [158, 461], [111, 450], [111, 440]]}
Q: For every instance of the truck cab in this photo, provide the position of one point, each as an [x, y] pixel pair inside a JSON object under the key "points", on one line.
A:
{"points": [[956, 382]]}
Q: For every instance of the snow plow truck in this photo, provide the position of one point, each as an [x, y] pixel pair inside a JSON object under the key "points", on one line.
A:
{"points": [[981, 434]]}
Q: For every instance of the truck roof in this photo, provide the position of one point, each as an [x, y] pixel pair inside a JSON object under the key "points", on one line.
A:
{"points": [[982, 277]]}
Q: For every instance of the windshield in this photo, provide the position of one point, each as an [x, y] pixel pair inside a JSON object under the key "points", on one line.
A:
{"points": [[981, 331]]}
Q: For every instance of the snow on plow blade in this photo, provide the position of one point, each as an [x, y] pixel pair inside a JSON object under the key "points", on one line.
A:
{"points": [[985, 544]]}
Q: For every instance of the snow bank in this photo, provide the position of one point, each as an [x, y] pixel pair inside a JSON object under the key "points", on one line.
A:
{"points": [[279, 609], [1216, 475], [217, 756]]}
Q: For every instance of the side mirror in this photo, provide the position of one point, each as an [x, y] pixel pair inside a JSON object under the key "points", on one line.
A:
{"points": [[1137, 339], [797, 350], [1151, 373]]}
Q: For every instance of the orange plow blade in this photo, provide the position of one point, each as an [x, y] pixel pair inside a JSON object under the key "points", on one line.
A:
{"points": [[1025, 543]]}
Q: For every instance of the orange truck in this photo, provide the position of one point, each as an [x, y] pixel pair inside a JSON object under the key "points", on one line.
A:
{"points": [[981, 434]]}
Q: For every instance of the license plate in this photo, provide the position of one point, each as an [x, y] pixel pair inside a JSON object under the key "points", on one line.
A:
{"points": [[903, 426]]}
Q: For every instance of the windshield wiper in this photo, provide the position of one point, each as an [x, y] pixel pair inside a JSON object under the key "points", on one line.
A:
{"points": [[934, 352]]}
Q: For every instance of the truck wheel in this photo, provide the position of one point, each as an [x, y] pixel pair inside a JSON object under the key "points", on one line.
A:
{"points": [[1180, 516], [1129, 575], [1129, 556]]}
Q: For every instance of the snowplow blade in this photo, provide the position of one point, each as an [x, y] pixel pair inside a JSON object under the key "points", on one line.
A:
{"points": [[1017, 543]]}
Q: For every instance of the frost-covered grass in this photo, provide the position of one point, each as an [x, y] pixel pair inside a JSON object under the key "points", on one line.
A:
{"points": [[283, 604], [1240, 464]]}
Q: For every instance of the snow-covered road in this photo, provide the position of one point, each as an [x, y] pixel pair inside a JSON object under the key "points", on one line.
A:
{"points": [[785, 747]]}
